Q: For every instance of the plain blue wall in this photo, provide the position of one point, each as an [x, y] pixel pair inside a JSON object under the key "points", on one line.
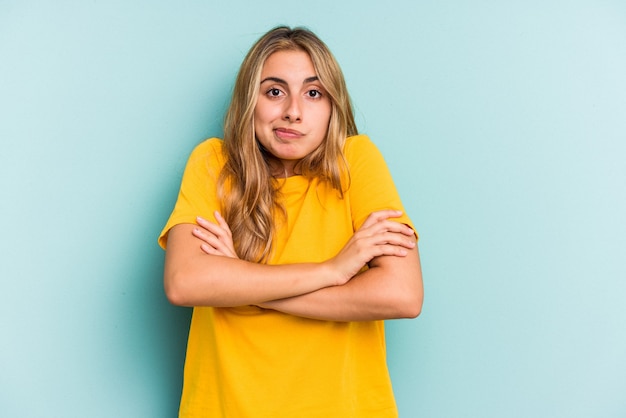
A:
{"points": [[504, 124]]}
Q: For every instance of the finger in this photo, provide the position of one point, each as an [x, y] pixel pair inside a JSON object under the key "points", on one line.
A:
{"points": [[212, 245], [206, 224], [222, 222], [210, 250], [387, 226], [383, 249], [207, 248], [398, 239], [391, 225], [386, 238], [216, 236], [201, 233], [392, 250], [401, 228], [213, 228], [206, 236], [380, 215]]}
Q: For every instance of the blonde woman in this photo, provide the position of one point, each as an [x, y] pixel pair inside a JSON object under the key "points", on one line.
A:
{"points": [[290, 241]]}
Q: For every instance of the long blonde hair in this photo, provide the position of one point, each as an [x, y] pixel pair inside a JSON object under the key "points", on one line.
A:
{"points": [[248, 190]]}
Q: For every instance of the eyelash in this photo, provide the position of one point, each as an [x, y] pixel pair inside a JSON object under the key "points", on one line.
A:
{"points": [[270, 93]]}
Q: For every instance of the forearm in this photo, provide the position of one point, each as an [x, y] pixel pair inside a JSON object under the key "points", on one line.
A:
{"points": [[391, 288], [193, 278], [202, 269]]}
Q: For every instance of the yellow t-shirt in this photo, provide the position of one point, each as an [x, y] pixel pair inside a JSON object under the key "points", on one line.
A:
{"points": [[251, 362]]}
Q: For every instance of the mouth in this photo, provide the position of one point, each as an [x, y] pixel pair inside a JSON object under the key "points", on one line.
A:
{"points": [[284, 133]]}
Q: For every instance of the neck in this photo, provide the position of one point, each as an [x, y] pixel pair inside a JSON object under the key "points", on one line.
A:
{"points": [[283, 169]]}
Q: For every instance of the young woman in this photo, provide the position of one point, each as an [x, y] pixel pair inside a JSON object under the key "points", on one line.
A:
{"points": [[290, 241]]}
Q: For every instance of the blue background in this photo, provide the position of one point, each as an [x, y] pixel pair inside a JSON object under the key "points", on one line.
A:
{"points": [[504, 124]]}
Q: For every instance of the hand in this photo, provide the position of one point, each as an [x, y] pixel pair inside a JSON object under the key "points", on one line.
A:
{"points": [[377, 236], [217, 239]]}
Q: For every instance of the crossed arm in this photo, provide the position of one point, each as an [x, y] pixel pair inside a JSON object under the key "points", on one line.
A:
{"points": [[202, 269]]}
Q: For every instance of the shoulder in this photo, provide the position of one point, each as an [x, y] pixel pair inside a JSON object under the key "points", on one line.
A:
{"points": [[357, 143], [359, 149], [209, 151], [208, 146]]}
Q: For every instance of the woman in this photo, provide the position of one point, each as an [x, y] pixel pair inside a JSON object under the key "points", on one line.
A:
{"points": [[289, 240]]}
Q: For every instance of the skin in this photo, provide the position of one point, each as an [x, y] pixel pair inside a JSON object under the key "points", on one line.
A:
{"points": [[391, 288], [292, 112], [202, 267]]}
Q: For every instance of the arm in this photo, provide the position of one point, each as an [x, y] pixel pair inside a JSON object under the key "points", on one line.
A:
{"points": [[201, 275], [391, 288], [194, 278]]}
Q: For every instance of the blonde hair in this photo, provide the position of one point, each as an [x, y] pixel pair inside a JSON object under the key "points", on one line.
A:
{"points": [[248, 190]]}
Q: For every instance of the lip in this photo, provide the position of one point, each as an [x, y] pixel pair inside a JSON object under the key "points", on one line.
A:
{"points": [[284, 133]]}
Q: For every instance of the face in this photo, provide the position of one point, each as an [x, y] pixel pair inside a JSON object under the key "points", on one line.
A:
{"points": [[293, 111]]}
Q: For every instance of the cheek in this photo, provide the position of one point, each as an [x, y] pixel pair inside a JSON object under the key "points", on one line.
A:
{"points": [[264, 115], [258, 114], [325, 117]]}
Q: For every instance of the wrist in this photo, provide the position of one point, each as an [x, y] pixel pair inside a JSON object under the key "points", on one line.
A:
{"points": [[330, 274]]}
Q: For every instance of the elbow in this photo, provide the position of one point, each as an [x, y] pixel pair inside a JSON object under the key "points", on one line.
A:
{"points": [[174, 298], [413, 311], [410, 310], [175, 291], [411, 297], [409, 305]]}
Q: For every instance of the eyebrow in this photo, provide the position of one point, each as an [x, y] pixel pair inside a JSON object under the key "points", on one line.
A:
{"points": [[281, 81]]}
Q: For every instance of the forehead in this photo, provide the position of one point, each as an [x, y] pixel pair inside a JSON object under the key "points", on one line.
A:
{"points": [[291, 63]]}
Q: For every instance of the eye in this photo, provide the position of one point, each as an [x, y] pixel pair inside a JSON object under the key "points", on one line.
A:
{"points": [[314, 94], [274, 92]]}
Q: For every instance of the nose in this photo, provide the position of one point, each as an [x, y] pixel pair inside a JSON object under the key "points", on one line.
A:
{"points": [[293, 110]]}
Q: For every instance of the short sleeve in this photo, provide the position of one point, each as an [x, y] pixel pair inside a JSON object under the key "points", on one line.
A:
{"points": [[198, 189], [371, 186]]}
